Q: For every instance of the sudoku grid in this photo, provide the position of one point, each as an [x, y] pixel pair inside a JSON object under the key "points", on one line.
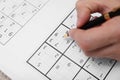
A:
{"points": [[60, 58], [14, 14]]}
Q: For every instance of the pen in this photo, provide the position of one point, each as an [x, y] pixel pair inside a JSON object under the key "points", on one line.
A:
{"points": [[99, 20]]}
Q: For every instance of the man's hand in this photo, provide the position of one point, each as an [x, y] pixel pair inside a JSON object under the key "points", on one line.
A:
{"points": [[101, 41]]}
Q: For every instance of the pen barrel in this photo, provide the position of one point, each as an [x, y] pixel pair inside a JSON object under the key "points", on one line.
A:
{"points": [[101, 19], [93, 23], [114, 13]]}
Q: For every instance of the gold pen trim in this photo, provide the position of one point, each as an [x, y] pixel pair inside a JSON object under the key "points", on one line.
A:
{"points": [[106, 16]]}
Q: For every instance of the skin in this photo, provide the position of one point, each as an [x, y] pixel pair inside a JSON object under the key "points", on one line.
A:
{"points": [[102, 41]]}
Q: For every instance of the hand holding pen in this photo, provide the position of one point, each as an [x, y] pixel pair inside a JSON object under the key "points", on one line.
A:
{"points": [[101, 40], [98, 21]]}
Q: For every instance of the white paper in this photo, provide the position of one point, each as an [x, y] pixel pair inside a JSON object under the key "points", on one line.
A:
{"points": [[33, 47]]}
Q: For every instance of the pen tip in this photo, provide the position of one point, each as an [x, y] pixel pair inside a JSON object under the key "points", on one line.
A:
{"points": [[66, 35]]}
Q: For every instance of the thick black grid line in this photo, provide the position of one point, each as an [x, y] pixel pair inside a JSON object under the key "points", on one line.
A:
{"points": [[38, 70], [62, 54], [51, 46], [80, 66], [105, 75], [90, 73], [110, 70], [50, 35], [57, 60], [77, 74]]}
